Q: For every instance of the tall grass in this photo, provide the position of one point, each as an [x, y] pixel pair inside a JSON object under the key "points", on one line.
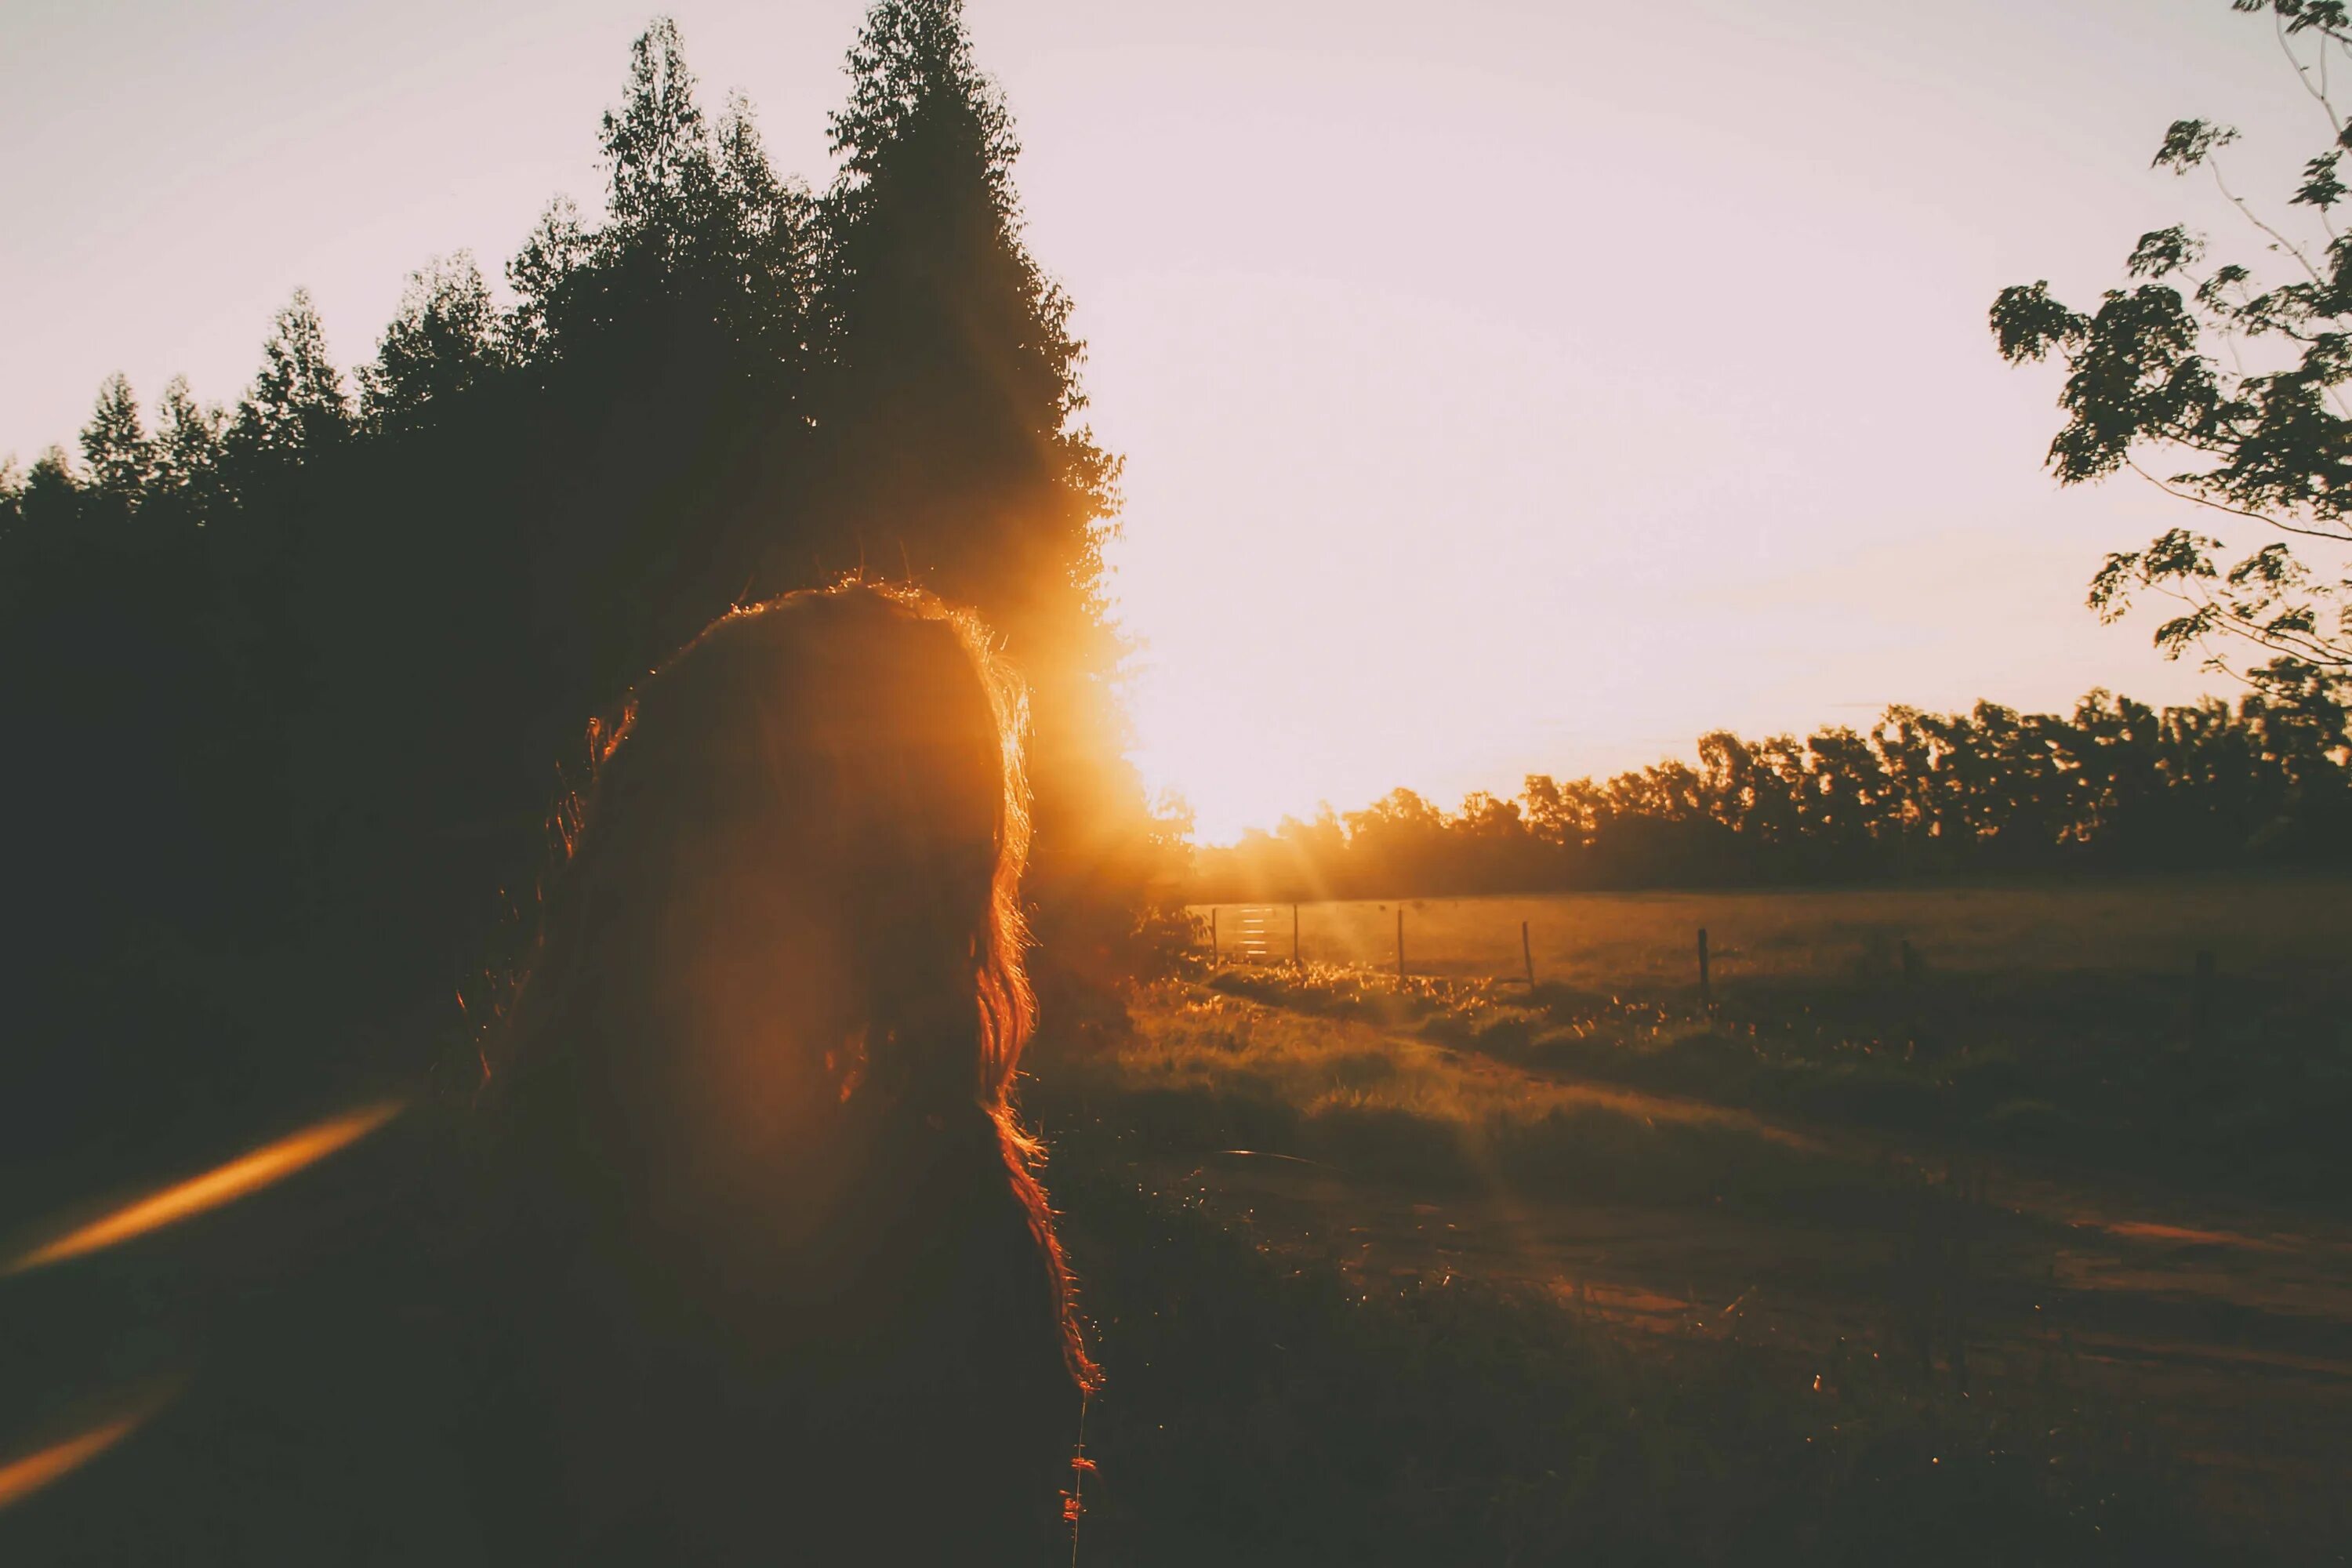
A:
{"points": [[2245, 1089]]}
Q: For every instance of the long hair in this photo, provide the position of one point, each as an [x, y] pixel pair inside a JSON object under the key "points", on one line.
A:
{"points": [[786, 944]]}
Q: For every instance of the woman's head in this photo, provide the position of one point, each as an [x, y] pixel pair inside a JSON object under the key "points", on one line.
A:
{"points": [[751, 1097], [791, 896]]}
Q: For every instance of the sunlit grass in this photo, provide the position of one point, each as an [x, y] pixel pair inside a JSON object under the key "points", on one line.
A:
{"points": [[2074, 1026], [1321, 1065], [1616, 941], [1205, 1072]]}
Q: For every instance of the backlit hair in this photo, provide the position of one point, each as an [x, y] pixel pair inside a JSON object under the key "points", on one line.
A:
{"points": [[837, 772]]}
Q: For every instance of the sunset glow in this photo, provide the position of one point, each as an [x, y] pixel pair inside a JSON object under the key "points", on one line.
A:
{"points": [[1503, 389], [1473, 782]]}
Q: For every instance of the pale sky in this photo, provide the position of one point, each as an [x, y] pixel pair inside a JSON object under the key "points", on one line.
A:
{"points": [[1504, 388]]}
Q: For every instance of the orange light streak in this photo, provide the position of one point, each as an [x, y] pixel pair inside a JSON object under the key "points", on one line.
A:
{"points": [[222, 1185], [20, 1478]]}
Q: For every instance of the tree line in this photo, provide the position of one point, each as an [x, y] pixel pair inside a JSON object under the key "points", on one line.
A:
{"points": [[2115, 786], [294, 682]]}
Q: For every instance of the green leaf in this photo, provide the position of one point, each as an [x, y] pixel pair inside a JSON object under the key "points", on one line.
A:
{"points": [[2189, 142]]}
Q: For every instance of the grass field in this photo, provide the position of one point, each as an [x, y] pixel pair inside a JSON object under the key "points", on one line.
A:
{"points": [[1359, 1252], [2059, 1192], [2296, 930], [2076, 1026]]}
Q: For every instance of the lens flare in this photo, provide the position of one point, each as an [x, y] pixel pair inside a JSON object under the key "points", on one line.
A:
{"points": [[20, 1478], [222, 1185]]}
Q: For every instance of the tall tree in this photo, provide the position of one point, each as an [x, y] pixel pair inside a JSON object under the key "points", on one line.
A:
{"points": [[114, 445], [297, 404], [657, 145], [542, 274], [762, 238], [947, 405], [51, 496], [442, 341], [953, 376], [187, 442]]}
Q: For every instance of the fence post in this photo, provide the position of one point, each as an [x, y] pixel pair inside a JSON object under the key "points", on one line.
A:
{"points": [[1527, 954], [1706, 990], [1294, 936], [1213, 933], [1400, 942]]}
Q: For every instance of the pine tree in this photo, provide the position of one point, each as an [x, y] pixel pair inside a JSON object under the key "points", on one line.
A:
{"points": [[442, 342], [656, 147], [49, 503], [52, 479], [542, 274], [187, 442], [947, 406], [951, 369], [761, 236], [115, 445], [11, 500], [297, 404]]}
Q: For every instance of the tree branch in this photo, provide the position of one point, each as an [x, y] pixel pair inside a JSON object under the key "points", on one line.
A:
{"points": [[2188, 495]]}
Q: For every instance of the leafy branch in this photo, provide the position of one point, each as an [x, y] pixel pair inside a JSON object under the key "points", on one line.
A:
{"points": [[2243, 380]]}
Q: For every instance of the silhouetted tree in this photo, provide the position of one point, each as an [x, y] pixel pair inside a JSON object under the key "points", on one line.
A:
{"points": [[297, 404], [115, 447], [187, 449], [656, 147], [542, 273], [761, 240], [51, 497], [306, 716], [2116, 787], [2239, 377], [947, 400], [442, 341]]}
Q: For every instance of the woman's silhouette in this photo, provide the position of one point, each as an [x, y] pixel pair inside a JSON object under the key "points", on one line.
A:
{"points": [[770, 1278]]}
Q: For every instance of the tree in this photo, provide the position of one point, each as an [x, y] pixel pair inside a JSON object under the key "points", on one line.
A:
{"points": [[947, 399], [441, 344], [528, 510], [761, 237], [950, 367], [297, 404], [2239, 378], [656, 147], [187, 444], [114, 445], [542, 273], [51, 496]]}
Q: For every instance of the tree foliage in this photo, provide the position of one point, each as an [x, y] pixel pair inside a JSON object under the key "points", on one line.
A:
{"points": [[297, 404], [948, 384], [2226, 388], [2115, 786], [443, 341], [314, 669], [115, 445]]}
